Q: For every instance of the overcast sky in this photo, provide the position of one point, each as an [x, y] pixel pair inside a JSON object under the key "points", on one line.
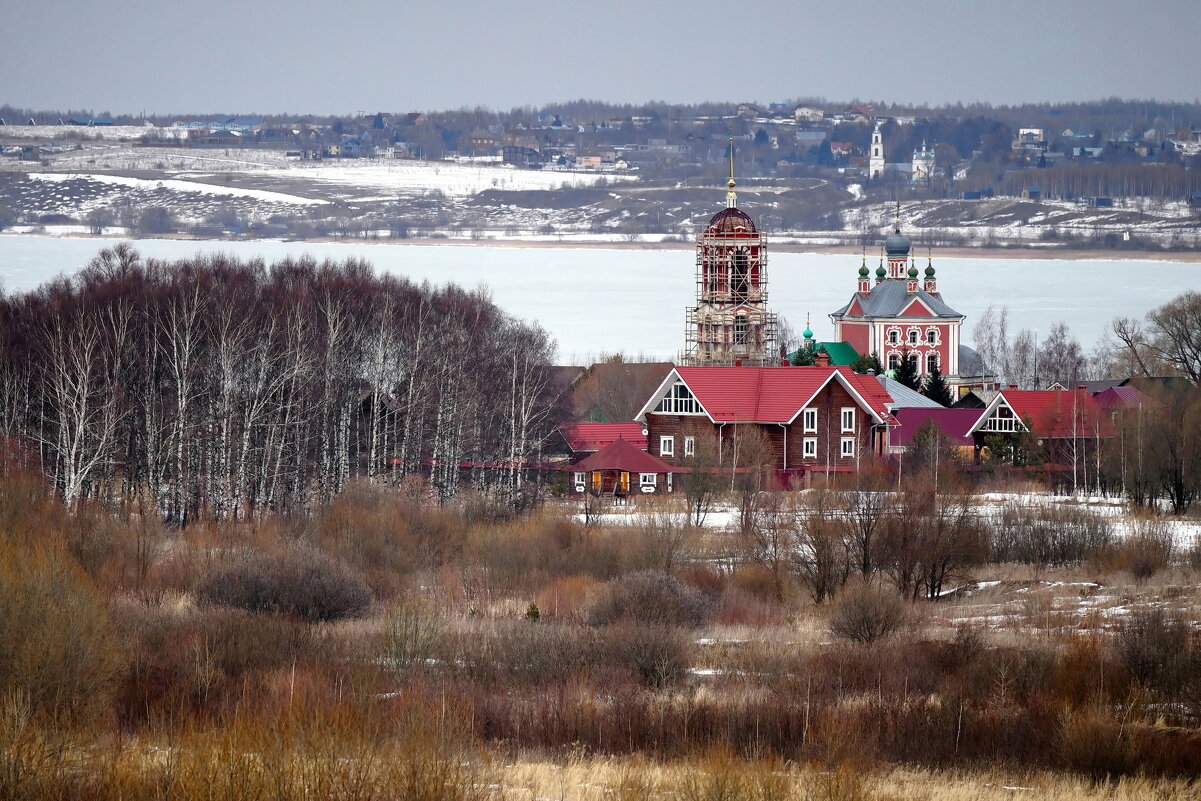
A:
{"points": [[345, 56]]}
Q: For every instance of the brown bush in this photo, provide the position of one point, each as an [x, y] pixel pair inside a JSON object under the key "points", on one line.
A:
{"points": [[299, 581], [651, 597], [59, 647], [657, 654], [865, 613], [387, 536], [1154, 646]]}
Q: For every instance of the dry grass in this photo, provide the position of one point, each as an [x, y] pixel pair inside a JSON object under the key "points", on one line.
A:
{"points": [[722, 777]]}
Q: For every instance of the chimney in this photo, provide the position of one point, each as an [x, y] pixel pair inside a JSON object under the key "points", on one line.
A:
{"points": [[822, 359]]}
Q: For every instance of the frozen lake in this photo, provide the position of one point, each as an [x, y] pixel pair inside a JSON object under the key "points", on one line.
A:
{"points": [[596, 300]]}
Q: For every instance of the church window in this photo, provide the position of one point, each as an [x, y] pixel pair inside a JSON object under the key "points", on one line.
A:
{"points": [[740, 330], [931, 362], [912, 336], [739, 274], [894, 361], [931, 336], [894, 337], [679, 400]]}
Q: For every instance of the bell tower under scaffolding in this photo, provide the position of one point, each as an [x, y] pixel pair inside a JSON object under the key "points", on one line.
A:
{"points": [[730, 323]]}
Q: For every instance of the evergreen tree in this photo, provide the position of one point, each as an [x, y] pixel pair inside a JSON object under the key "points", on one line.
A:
{"points": [[907, 372], [804, 356], [867, 362], [936, 388]]}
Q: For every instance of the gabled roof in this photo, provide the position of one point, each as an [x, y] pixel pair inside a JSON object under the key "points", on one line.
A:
{"points": [[770, 394], [1053, 413], [1122, 398], [955, 424], [905, 398], [583, 437], [622, 455], [889, 299]]}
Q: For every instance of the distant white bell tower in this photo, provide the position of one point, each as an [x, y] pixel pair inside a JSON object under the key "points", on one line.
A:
{"points": [[875, 163]]}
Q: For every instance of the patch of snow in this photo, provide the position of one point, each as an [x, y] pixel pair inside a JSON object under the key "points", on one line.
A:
{"points": [[179, 186]]}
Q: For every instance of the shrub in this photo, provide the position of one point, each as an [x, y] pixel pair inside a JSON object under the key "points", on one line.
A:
{"points": [[651, 597], [657, 654], [58, 649], [300, 581], [866, 613], [412, 632], [1153, 645], [1048, 536]]}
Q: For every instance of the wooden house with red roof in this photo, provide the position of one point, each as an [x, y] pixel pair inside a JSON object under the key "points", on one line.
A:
{"points": [[819, 420], [1066, 424], [620, 469]]}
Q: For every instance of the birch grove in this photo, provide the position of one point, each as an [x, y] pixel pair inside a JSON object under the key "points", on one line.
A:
{"points": [[214, 388]]}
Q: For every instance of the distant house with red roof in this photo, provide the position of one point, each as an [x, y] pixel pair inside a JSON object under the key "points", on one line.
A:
{"points": [[1068, 425], [954, 425], [817, 419]]}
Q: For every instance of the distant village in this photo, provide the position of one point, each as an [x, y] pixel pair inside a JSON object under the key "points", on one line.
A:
{"points": [[948, 152], [895, 388]]}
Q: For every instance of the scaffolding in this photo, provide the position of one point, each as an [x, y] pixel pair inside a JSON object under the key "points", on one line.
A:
{"points": [[730, 323]]}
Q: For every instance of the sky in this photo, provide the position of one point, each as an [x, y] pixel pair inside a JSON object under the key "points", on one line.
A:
{"points": [[301, 56]]}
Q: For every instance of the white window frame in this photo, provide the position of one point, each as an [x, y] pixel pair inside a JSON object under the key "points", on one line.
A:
{"points": [[647, 479], [894, 336], [847, 418], [809, 448], [667, 445], [914, 334], [579, 479], [848, 447], [689, 445], [809, 420], [932, 336]]}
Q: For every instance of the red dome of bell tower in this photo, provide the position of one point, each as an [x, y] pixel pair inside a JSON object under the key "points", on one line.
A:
{"points": [[730, 323]]}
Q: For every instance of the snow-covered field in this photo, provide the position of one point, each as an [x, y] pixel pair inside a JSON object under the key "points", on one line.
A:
{"points": [[595, 300], [177, 185]]}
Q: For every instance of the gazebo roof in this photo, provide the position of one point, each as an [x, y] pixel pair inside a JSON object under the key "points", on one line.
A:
{"points": [[623, 456]]}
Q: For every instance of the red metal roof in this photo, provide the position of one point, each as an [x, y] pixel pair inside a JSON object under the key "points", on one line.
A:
{"points": [[621, 455], [954, 424], [1057, 413], [1122, 398], [775, 394], [584, 437]]}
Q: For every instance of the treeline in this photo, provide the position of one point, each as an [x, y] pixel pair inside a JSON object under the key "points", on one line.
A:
{"points": [[1165, 182], [211, 387]]}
